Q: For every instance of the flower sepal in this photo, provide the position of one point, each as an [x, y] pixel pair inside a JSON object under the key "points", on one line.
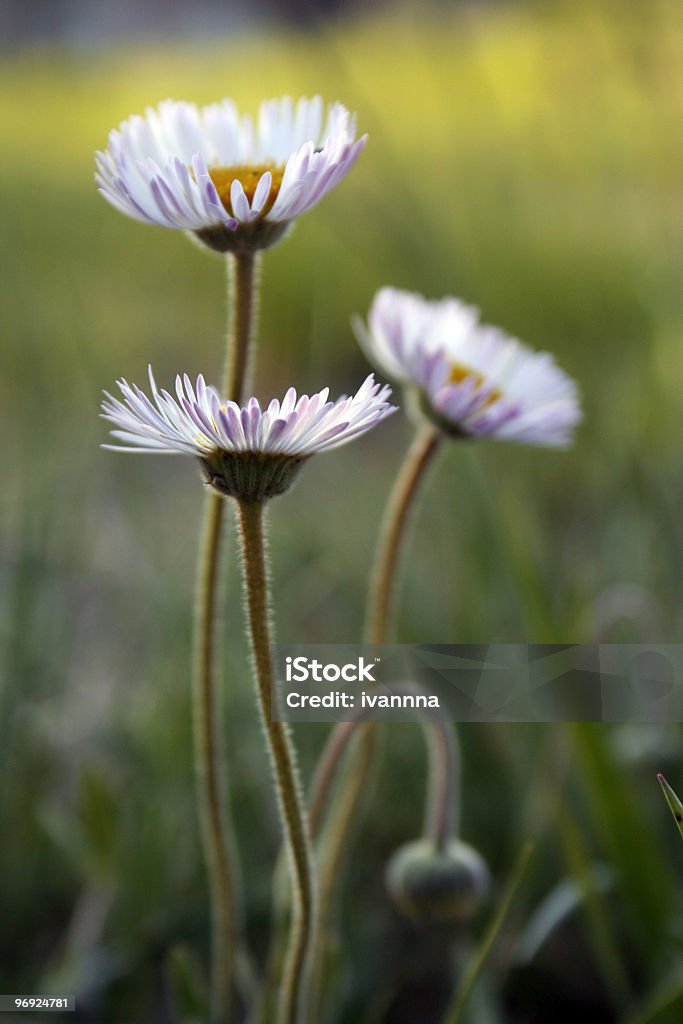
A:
{"points": [[250, 476], [248, 238]]}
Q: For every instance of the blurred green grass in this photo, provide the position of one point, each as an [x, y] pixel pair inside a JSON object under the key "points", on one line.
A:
{"points": [[526, 158]]}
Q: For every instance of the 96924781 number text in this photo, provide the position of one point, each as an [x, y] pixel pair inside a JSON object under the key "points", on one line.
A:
{"points": [[44, 1002]]}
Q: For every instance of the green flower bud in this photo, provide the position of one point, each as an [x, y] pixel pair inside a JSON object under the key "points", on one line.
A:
{"points": [[437, 886]]}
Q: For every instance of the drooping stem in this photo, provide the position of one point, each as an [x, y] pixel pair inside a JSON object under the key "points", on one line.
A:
{"points": [[443, 788], [293, 993], [216, 829], [442, 807], [392, 532]]}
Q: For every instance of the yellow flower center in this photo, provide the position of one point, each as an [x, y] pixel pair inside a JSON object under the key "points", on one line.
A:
{"points": [[223, 177], [460, 373]]}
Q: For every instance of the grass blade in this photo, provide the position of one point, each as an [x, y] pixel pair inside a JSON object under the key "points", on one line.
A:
{"points": [[675, 805], [476, 964]]}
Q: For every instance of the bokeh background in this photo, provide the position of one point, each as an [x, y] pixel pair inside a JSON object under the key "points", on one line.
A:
{"points": [[524, 156]]}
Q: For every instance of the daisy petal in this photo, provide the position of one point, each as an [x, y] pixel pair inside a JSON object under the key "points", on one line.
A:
{"points": [[475, 379]]}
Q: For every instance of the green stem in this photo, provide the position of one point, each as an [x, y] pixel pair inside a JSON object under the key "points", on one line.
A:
{"points": [[339, 833], [441, 817], [326, 771], [325, 776], [332, 855], [443, 788], [292, 813], [420, 454], [242, 281], [216, 831]]}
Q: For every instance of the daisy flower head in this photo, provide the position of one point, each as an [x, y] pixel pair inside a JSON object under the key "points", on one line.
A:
{"points": [[249, 452], [471, 379], [234, 182]]}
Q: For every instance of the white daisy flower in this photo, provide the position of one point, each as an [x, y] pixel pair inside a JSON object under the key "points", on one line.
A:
{"points": [[234, 182], [473, 380], [246, 452]]}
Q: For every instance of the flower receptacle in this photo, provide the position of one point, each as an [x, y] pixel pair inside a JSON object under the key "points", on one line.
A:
{"points": [[250, 476], [245, 238]]}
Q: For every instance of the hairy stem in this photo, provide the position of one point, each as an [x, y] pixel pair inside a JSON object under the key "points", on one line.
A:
{"points": [[392, 532], [332, 855], [292, 1008], [242, 281], [359, 766], [216, 829], [443, 789], [326, 771], [442, 812], [441, 815]]}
